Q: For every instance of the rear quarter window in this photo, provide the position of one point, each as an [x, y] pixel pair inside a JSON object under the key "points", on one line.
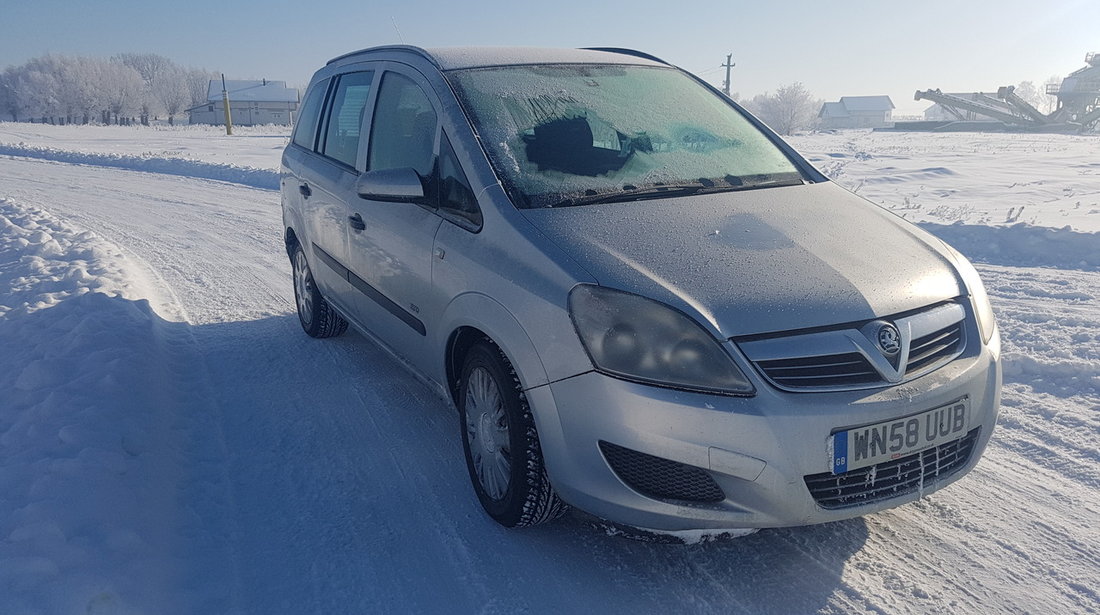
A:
{"points": [[309, 115]]}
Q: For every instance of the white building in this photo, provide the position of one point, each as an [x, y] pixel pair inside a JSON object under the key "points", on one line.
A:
{"points": [[857, 112], [250, 103]]}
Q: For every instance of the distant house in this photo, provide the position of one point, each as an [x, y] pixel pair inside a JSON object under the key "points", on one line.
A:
{"points": [[250, 103], [857, 112]]}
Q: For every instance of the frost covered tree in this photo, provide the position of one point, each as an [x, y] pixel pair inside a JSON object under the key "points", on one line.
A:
{"points": [[9, 100], [39, 88], [124, 90], [172, 92], [154, 69], [198, 83], [791, 108], [73, 89], [150, 66], [1031, 94]]}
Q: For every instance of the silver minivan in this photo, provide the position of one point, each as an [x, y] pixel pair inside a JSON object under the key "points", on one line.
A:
{"points": [[642, 302]]}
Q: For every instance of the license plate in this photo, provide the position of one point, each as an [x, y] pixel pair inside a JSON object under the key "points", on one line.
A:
{"points": [[865, 446]]}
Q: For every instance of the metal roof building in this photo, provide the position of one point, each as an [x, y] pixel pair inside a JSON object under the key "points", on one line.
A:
{"points": [[857, 112], [251, 102]]}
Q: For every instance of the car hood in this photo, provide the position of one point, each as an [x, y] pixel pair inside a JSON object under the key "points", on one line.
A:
{"points": [[758, 261]]}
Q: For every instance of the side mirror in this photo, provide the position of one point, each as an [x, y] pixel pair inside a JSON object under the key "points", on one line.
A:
{"points": [[401, 185]]}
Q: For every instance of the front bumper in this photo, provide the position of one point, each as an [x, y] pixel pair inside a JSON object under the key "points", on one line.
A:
{"points": [[757, 449]]}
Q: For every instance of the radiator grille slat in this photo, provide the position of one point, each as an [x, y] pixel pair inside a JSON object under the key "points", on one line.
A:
{"points": [[891, 478], [853, 369], [927, 350], [826, 370]]}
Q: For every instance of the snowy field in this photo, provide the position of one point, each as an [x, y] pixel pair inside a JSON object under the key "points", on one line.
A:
{"points": [[171, 442]]}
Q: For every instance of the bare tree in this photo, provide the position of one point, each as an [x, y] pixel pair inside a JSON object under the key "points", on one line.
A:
{"points": [[791, 108]]}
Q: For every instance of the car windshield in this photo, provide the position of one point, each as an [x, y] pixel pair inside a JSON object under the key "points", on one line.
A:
{"points": [[560, 135]]}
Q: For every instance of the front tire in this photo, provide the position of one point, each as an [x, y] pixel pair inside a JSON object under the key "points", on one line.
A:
{"points": [[314, 312], [502, 448]]}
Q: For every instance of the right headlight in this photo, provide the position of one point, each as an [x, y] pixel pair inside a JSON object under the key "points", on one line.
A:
{"points": [[982, 308], [640, 339]]}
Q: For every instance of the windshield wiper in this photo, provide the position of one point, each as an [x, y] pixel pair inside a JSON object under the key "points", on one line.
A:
{"points": [[769, 181], [660, 191], [633, 193]]}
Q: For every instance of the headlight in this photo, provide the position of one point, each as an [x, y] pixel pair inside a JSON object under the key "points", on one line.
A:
{"points": [[982, 309], [640, 339]]}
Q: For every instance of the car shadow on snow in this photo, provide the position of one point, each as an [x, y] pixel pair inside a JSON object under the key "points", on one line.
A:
{"points": [[298, 475], [350, 490]]}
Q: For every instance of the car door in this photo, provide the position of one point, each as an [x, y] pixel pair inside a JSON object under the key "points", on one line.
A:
{"points": [[328, 176], [307, 174], [390, 244], [339, 142]]}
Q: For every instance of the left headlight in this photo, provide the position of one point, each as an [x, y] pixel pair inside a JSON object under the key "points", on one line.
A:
{"points": [[640, 339], [982, 308]]}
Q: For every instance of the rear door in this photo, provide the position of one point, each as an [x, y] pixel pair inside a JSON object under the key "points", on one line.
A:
{"points": [[328, 176], [304, 174]]}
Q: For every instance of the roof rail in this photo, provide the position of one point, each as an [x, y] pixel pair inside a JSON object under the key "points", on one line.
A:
{"points": [[627, 52], [411, 48]]}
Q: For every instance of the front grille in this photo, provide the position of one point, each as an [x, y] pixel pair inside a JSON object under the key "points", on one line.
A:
{"points": [[660, 478], [849, 357], [849, 368], [891, 478], [927, 351]]}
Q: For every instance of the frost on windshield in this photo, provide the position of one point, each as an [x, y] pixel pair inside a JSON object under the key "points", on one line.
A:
{"points": [[554, 131]]}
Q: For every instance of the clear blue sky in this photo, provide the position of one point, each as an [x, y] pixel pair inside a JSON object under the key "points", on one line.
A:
{"points": [[836, 48]]}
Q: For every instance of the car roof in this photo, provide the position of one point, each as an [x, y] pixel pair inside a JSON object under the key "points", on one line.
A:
{"points": [[454, 58]]}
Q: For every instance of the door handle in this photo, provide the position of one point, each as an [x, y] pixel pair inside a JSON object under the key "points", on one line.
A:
{"points": [[304, 189], [357, 223]]}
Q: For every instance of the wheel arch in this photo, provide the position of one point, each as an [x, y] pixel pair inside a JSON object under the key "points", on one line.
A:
{"points": [[290, 239], [472, 317]]}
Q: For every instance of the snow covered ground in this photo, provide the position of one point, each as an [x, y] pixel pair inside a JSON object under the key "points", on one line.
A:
{"points": [[171, 442], [967, 178]]}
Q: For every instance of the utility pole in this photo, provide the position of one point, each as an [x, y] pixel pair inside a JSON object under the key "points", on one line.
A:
{"points": [[728, 65], [225, 101]]}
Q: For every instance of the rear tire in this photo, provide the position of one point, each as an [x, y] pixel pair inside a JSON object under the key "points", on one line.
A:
{"points": [[502, 448], [314, 312]]}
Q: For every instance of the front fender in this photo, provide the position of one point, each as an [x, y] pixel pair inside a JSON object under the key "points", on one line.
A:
{"points": [[494, 320]]}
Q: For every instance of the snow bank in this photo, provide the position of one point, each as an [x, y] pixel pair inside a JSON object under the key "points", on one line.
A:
{"points": [[259, 147], [1022, 245], [248, 176], [85, 479]]}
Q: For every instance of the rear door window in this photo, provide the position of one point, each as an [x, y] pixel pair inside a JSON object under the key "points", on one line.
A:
{"points": [[345, 117]]}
